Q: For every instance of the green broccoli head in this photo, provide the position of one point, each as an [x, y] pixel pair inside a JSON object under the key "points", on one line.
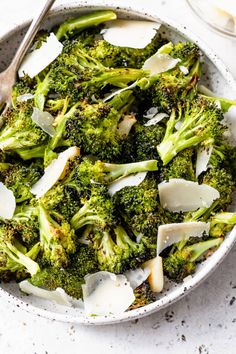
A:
{"points": [[14, 257], [182, 166], [25, 223], [115, 249], [57, 238], [200, 121], [145, 140], [20, 178], [98, 210], [167, 88], [113, 56], [51, 278], [182, 262], [94, 127], [222, 181], [19, 131]]}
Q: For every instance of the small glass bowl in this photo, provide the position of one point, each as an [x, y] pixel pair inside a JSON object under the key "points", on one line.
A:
{"points": [[206, 12]]}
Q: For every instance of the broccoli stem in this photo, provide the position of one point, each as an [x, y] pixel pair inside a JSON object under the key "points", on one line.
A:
{"points": [[198, 249], [107, 246], [42, 91], [23, 259], [122, 239], [32, 153], [84, 216], [224, 218], [85, 21], [121, 170], [186, 136], [222, 223], [120, 77]]}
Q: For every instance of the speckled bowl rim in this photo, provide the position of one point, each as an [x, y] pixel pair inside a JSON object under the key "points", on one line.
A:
{"points": [[225, 247]]}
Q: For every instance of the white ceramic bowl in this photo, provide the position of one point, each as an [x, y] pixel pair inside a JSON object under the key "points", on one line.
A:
{"points": [[215, 76]]}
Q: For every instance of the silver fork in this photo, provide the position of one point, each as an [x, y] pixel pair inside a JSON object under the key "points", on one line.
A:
{"points": [[8, 76]]}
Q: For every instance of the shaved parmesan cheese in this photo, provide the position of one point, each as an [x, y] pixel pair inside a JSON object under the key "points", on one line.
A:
{"points": [[59, 295], [131, 34], [156, 277], [25, 97], [126, 124], [106, 293], [7, 202], [128, 181], [184, 69], [159, 63], [44, 120], [156, 119], [151, 113], [137, 276], [203, 157], [173, 233], [55, 171], [186, 279], [181, 195], [40, 58]]}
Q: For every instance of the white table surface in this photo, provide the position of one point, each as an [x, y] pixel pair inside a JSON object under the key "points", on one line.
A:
{"points": [[204, 322]]}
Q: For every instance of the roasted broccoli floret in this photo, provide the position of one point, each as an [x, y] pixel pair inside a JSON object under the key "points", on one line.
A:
{"points": [[94, 127], [222, 181], [96, 210], [114, 56], [145, 140], [20, 178], [182, 166], [103, 172], [141, 211], [77, 75], [14, 257], [143, 296], [182, 262], [19, 131], [81, 263], [166, 89], [221, 223], [25, 223], [57, 238], [199, 121], [51, 278], [116, 251]]}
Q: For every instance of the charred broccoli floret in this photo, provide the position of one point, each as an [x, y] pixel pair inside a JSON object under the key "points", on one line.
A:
{"points": [[182, 166], [116, 251], [114, 56], [56, 238], [25, 223], [182, 263], [97, 210], [20, 178], [19, 131], [200, 121], [143, 296], [14, 257]]}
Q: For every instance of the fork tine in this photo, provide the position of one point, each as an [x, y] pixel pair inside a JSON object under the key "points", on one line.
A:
{"points": [[3, 109]]}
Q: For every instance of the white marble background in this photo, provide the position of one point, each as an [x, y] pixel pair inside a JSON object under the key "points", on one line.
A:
{"points": [[204, 322]]}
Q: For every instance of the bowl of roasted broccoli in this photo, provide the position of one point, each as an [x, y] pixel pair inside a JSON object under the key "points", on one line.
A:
{"points": [[117, 166]]}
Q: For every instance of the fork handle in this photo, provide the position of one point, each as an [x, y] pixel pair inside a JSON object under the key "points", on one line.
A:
{"points": [[30, 34]]}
